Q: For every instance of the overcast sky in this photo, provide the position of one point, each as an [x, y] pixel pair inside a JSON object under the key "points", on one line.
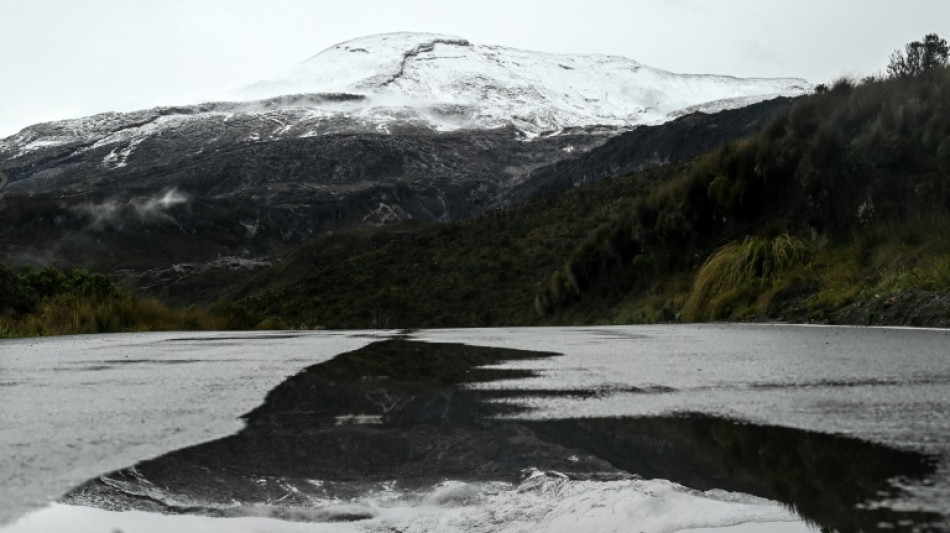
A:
{"points": [[68, 58]]}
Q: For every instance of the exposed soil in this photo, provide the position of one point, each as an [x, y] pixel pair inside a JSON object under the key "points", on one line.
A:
{"points": [[915, 308]]}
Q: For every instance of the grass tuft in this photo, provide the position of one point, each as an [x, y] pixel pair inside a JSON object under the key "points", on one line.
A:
{"points": [[740, 269]]}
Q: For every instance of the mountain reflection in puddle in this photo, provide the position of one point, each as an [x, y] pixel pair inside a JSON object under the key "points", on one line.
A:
{"points": [[363, 438]]}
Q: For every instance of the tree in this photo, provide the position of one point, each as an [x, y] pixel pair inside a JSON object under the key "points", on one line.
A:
{"points": [[919, 57], [14, 295]]}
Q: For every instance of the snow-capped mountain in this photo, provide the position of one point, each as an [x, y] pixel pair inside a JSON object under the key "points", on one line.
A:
{"points": [[435, 81], [452, 83], [369, 131]]}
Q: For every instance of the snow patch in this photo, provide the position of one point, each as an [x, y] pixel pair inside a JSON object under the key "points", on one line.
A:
{"points": [[385, 214], [114, 213], [119, 158]]}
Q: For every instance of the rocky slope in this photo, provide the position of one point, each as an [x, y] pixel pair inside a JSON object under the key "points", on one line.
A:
{"points": [[679, 140]]}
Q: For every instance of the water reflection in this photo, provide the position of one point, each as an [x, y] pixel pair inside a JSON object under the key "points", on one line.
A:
{"points": [[827, 479], [398, 410]]}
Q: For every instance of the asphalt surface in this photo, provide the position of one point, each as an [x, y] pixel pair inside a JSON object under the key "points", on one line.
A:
{"points": [[78, 407]]}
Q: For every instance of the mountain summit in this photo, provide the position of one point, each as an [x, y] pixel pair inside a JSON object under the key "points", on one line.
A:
{"points": [[418, 80], [451, 83]]}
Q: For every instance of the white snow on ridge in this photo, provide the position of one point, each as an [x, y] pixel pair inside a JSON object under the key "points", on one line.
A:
{"points": [[437, 81], [494, 85]]}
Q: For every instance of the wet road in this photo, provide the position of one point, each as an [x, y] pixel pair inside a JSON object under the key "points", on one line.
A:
{"points": [[888, 385], [885, 385], [77, 407]]}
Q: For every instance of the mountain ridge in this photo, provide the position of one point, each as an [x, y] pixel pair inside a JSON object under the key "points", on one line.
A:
{"points": [[466, 94]]}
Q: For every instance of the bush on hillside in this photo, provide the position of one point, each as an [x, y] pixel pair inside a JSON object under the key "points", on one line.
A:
{"points": [[737, 265], [50, 301]]}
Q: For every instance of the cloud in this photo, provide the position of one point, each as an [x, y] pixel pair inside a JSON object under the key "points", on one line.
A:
{"points": [[156, 206], [114, 213]]}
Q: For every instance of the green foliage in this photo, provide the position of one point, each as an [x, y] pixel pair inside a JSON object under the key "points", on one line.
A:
{"points": [[739, 267], [915, 256], [919, 57], [23, 293], [70, 314], [15, 296], [943, 155], [481, 272], [50, 301], [726, 194], [238, 317], [834, 166], [50, 282]]}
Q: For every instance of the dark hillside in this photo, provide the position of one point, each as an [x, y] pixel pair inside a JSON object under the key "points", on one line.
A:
{"points": [[480, 272], [680, 140], [842, 198], [840, 181]]}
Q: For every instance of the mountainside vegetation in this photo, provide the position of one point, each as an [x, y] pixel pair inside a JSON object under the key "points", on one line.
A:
{"points": [[842, 200], [50, 301], [481, 272], [844, 196]]}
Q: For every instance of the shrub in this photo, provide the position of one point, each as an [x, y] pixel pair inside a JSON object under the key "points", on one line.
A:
{"points": [[49, 301], [943, 156], [15, 296], [731, 269]]}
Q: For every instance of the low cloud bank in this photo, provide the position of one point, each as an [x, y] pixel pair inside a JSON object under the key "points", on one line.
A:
{"points": [[114, 213]]}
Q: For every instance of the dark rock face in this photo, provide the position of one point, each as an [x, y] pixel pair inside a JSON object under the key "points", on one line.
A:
{"points": [[680, 140], [232, 197], [398, 412], [287, 168]]}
